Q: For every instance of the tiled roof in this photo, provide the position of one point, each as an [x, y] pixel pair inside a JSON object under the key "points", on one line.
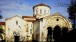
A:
{"points": [[41, 4], [29, 18], [2, 23]]}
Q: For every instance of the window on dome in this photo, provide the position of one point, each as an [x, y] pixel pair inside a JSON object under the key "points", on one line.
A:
{"points": [[36, 12], [40, 11], [48, 11], [16, 22], [30, 31], [44, 11]]}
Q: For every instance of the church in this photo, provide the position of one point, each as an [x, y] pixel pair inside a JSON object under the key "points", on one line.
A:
{"points": [[36, 27]]}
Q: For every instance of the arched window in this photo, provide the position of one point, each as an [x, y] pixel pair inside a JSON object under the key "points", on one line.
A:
{"points": [[44, 11], [40, 11], [48, 11], [30, 31], [16, 22], [36, 11]]}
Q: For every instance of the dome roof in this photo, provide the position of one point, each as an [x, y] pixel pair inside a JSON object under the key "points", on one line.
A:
{"points": [[41, 4]]}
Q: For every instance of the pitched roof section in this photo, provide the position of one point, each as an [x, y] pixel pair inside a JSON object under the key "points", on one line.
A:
{"points": [[13, 17], [58, 14], [2, 23], [29, 18]]}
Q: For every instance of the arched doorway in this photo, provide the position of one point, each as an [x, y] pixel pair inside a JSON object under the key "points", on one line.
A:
{"points": [[49, 34], [16, 37], [64, 34], [57, 34], [64, 30]]}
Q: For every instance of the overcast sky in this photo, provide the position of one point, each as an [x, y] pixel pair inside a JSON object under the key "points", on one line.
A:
{"points": [[24, 7]]}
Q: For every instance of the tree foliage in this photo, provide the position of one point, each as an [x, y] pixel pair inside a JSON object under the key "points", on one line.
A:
{"points": [[1, 30], [0, 15], [72, 11]]}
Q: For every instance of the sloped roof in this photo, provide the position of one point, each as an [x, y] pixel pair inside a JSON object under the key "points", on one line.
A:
{"points": [[41, 4], [58, 14], [30, 18], [12, 17], [2, 23]]}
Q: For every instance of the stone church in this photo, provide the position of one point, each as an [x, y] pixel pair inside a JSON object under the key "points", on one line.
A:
{"points": [[36, 27]]}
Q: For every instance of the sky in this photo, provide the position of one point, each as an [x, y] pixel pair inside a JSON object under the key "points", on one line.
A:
{"points": [[10, 8]]}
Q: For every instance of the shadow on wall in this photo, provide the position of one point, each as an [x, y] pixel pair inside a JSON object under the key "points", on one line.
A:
{"points": [[66, 36], [72, 36], [57, 34], [61, 35]]}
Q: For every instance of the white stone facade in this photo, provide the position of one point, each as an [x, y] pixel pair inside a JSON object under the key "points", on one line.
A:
{"points": [[35, 27], [45, 20], [15, 26]]}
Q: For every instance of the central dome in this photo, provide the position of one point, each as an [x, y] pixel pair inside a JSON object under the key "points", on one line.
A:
{"points": [[41, 4], [41, 9]]}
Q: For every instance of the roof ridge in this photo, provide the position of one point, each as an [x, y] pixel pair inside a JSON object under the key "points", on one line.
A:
{"points": [[41, 4]]}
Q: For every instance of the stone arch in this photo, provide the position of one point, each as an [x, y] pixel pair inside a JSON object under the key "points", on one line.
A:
{"points": [[49, 30], [57, 29], [64, 31], [52, 22], [57, 33], [62, 22], [49, 34]]}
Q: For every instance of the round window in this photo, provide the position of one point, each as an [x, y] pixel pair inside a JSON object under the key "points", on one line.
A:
{"points": [[57, 19]]}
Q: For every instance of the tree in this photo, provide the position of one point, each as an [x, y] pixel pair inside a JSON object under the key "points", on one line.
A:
{"points": [[72, 12], [0, 15], [1, 32]]}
